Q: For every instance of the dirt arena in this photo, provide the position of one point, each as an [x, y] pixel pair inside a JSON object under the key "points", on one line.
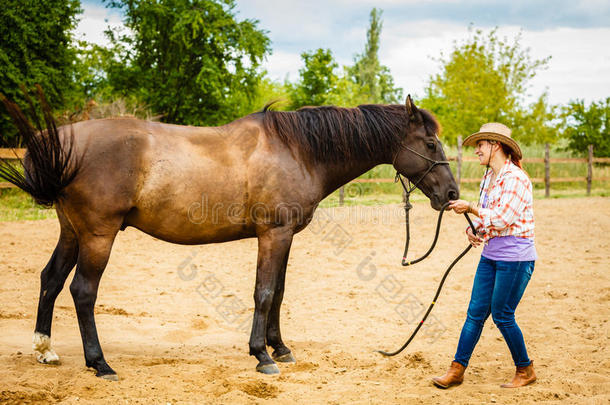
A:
{"points": [[174, 320]]}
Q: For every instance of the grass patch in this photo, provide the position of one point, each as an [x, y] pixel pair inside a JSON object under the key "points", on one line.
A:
{"points": [[16, 205]]}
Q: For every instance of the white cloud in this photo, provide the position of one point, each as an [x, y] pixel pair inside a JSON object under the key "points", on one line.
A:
{"points": [[281, 65], [408, 50], [94, 21], [580, 64]]}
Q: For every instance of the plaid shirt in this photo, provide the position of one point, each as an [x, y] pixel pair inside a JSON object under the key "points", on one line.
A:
{"points": [[506, 206]]}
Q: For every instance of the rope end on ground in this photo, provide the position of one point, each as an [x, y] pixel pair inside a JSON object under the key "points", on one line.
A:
{"points": [[386, 354]]}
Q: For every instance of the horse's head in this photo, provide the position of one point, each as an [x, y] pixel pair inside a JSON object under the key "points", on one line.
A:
{"points": [[422, 160]]}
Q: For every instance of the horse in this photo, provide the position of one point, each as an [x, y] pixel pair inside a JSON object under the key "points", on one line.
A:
{"points": [[268, 171]]}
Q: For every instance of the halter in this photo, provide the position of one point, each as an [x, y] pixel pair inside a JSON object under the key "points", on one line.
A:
{"points": [[408, 190], [432, 166]]}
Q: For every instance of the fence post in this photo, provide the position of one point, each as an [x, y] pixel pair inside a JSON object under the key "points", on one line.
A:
{"points": [[341, 195], [590, 170], [547, 170], [459, 161]]}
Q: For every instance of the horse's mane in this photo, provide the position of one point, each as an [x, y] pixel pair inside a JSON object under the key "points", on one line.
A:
{"points": [[331, 133]]}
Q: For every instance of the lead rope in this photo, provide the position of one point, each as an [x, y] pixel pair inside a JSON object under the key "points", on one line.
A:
{"points": [[408, 207]]}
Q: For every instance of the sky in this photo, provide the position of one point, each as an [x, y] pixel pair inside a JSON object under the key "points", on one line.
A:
{"points": [[576, 34]]}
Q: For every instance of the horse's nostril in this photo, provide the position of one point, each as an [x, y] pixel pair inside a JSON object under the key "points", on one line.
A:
{"points": [[453, 194]]}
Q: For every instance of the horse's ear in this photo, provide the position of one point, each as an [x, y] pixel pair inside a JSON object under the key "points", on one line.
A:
{"points": [[412, 111]]}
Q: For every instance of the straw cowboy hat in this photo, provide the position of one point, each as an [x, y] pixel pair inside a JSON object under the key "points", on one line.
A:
{"points": [[497, 132]]}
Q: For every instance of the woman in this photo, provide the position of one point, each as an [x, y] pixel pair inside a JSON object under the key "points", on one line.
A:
{"points": [[505, 224]]}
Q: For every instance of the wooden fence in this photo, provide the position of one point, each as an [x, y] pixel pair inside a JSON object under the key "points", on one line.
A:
{"points": [[547, 160], [10, 154]]}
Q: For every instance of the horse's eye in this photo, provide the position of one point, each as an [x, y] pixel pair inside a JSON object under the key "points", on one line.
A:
{"points": [[430, 146]]}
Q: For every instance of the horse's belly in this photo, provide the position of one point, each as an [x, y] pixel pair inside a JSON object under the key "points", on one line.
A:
{"points": [[188, 212], [194, 228]]}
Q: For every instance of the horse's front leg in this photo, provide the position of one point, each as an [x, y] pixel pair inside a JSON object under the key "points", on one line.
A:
{"points": [[281, 353], [273, 247]]}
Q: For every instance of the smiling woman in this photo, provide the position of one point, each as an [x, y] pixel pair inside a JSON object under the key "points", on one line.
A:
{"points": [[505, 223]]}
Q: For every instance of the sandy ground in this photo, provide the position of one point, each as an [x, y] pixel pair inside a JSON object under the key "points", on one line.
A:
{"points": [[174, 320]]}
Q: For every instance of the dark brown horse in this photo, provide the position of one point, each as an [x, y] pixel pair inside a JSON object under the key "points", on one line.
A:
{"points": [[105, 175]]}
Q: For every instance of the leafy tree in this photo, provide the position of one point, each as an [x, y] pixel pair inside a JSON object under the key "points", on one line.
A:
{"points": [[584, 126], [486, 79], [536, 123], [36, 47], [346, 92], [367, 81], [320, 84], [92, 62], [317, 79], [189, 60], [264, 92], [375, 80]]}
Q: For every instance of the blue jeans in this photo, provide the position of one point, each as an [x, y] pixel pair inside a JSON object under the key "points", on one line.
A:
{"points": [[498, 288]]}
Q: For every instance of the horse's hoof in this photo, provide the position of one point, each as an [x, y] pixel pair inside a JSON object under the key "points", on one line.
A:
{"points": [[268, 368], [109, 377], [42, 347], [48, 357], [285, 358]]}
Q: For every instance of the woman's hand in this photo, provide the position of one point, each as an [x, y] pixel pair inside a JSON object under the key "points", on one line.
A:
{"points": [[459, 206], [474, 240]]}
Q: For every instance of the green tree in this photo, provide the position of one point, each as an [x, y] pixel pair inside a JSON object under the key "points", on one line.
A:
{"points": [[375, 80], [264, 92], [485, 79], [346, 92], [92, 62], [317, 79], [367, 81], [36, 48], [536, 123], [189, 60], [584, 126]]}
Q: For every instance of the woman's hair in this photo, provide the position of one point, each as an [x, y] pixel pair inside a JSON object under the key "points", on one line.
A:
{"points": [[509, 152]]}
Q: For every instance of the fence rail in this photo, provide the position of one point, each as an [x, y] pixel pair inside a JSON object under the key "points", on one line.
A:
{"points": [[542, 160], [12, 153]]}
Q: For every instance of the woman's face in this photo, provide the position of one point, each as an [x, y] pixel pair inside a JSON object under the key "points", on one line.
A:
{"points": [[484, 150]]}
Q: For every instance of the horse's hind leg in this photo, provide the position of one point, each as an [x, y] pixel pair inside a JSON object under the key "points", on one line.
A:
{"points": [[52, 279], [94, 251], [281, 353], [273, 246]]}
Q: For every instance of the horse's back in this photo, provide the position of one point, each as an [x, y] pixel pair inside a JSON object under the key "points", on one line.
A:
{"points": [[178, 183], [187, 184]]}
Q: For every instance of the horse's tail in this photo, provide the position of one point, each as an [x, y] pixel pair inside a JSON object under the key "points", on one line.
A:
{"points": [[49, 165]]}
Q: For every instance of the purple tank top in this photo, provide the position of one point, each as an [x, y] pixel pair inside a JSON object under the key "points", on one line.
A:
{"points": [[510, 249]]}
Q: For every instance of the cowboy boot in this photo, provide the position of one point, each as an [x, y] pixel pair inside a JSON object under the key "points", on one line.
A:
{"points": [[523, 376], [453, 376]]}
